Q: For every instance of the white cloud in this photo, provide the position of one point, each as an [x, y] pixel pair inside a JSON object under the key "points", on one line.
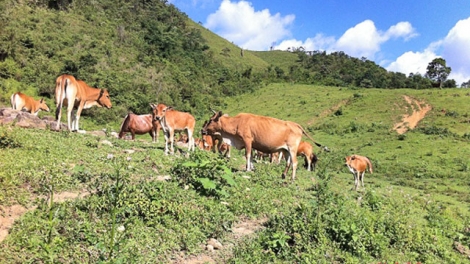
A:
{"points": [[454, 48], [319, 42], [362, 40], [412, 62], [250, 29]]}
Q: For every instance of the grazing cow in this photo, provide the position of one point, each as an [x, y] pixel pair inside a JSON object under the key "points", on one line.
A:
{"points": [[140, 124], [358, 165], [20, 101], [75, 93], [218, 144], [266, 134], [171, 121], [306, 150]]}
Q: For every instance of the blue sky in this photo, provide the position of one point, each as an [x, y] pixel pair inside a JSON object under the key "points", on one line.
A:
{"points": [[400, 35]]}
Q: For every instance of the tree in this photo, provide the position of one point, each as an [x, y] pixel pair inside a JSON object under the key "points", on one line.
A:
{"points": [[465, 84], [437, 71]]}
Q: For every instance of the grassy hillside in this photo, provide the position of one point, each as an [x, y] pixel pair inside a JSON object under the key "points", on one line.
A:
{"points": [[414, 207], [229, 54], [281, 59]]}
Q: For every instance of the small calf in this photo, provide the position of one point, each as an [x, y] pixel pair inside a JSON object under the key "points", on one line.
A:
{"points": [[358, 165]]}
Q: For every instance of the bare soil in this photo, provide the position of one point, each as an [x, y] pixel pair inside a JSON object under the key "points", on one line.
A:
{"points": [[410, 121], [8, 214], [242, 230]]}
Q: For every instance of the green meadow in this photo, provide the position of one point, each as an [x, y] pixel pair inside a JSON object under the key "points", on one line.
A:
{"points": [[414, 208]]}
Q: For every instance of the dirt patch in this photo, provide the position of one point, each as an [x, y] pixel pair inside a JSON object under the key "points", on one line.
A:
{"points": [[8, 214], [327, 112], [241, 230], [419, 111]]}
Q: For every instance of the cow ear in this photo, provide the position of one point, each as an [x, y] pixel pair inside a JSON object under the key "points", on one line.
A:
{"points": [[41, 101], [353, 157]]}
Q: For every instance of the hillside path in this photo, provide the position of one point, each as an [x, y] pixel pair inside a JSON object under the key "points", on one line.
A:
{"points": [[419, 111]]}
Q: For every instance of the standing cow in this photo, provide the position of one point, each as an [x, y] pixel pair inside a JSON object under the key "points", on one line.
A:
{"points": [[172, 121], [140, 124], [21, 101], [75, 93], [265, 134], [358, 165]]}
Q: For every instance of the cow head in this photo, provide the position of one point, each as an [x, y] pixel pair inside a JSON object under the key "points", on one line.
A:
{"points": [[159, 110], [349, 159], [212, 125], [104, 99], [43, 106]]}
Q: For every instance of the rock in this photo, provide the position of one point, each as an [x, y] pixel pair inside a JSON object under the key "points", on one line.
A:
{"points": [[214, 243]]}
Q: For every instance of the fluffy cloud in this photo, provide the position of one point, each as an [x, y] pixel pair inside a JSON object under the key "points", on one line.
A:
{"points": [[362, 40], [454, 48], [250, 29]]}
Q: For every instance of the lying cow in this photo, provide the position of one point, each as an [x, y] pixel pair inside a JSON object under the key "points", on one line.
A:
{"points": [[140, 124], [266, 134], [172, 121], [77, 94], [306, 150], [20, 101], [358, 165]]}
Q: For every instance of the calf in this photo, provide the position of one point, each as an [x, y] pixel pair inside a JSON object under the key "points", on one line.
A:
{"points": [[172, 121], [358, 165], [140, 124], [20, 101], [306, 150]]}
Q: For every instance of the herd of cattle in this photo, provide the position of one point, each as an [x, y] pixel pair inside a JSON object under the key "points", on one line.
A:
{"points": [[219, 133]]}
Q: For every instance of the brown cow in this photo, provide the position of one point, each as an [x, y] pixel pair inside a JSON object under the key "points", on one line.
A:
{"points": [[75, 93], [266, 134], [140, 124], [306, 150], [358, 165], [172, 121], [21, 101]]}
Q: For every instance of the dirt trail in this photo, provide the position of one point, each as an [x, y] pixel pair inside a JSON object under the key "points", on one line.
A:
{"points": [[240, 231], [8, 214], [328, 111], [419, 108]]}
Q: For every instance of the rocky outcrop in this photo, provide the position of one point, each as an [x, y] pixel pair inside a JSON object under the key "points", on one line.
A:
{"points": [[9, 116]]}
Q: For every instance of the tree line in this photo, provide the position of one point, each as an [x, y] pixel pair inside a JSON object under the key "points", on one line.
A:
{"points": [[340, 69]]}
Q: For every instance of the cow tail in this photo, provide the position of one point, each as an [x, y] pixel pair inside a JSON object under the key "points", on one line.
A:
{"points": [[316, 143], [124, 126], [370, 164]]}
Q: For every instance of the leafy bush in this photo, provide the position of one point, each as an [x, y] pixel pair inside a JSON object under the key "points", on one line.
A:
{"points": [[207, 173], [8, 139]]}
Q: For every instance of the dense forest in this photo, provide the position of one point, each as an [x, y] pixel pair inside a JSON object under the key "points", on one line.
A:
{"points": [[148, 51]]}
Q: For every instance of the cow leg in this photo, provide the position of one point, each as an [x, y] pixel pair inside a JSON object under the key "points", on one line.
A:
{"points": [[356, 180], [293, 154], [77, 118], [69, 116], [362, 178], [133, 135], [190, 140], [308, 162], [167, 138], [249, 164], [172, 139], [287, 157]]}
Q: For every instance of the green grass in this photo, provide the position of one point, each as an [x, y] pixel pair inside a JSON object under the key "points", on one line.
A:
{"points": [[413, 208]]}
